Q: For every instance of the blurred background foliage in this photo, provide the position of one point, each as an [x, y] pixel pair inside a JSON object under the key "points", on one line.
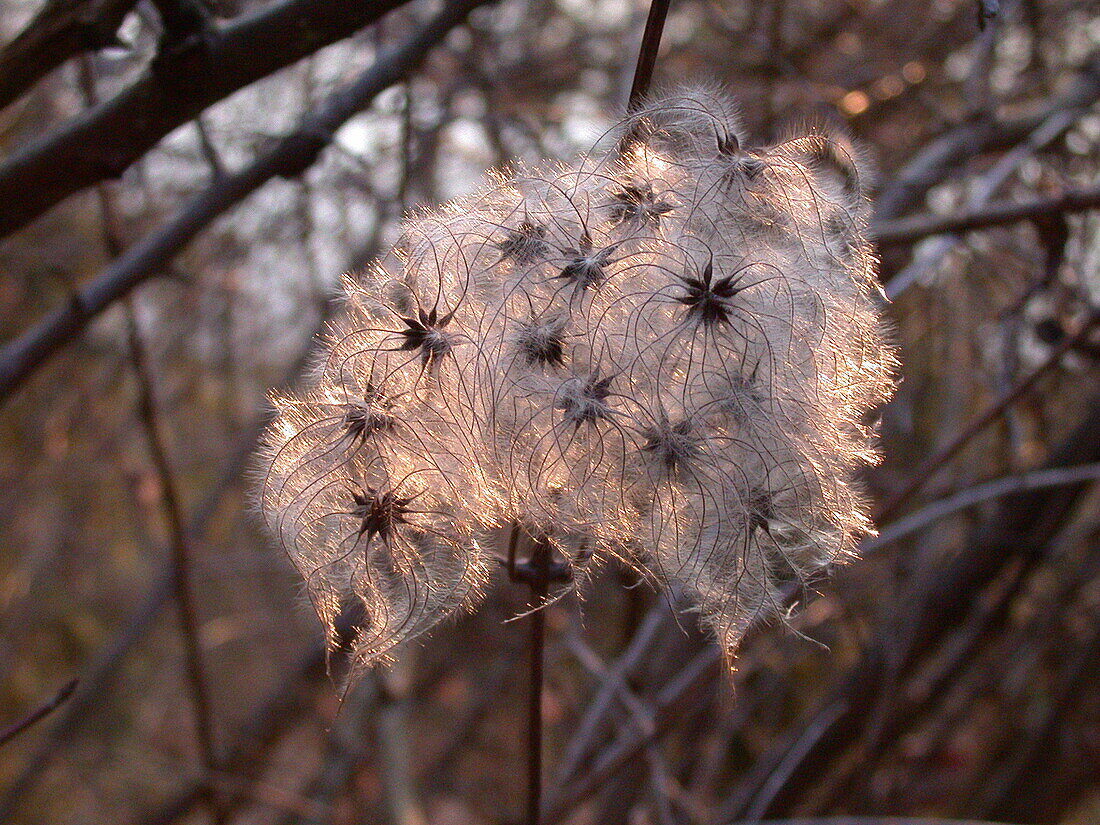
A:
{"points": [[952, 673]]}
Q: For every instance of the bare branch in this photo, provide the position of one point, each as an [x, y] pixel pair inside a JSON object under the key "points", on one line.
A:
{"points": [[179, 539], [182, 553], [175, 88], [977, 494], [39, 713], [1045, 134], [922, 474], [914, 228], [936, 160], [600, 706], [60, 30], [1022, 527], [291, 156]]}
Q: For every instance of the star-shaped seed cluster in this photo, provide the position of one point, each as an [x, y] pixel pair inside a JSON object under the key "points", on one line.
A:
{"points": [[663, 355]]}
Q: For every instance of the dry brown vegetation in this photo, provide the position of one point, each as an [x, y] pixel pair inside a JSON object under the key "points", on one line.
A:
{"points": [[180, 189]]}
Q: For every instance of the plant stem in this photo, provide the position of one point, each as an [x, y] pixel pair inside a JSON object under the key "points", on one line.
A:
{"points": [[647, 55], [539, 582], [537, 571]]}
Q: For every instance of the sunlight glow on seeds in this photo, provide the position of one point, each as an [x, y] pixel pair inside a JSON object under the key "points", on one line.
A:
{"points": [[681, 417]]}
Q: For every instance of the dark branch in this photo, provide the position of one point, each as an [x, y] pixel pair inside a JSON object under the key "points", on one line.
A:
{"points": [[174, 89], [647, 56], [912, 229], [289, 157], [935, 462], [61, 29], [39, 713], [936, 160]]}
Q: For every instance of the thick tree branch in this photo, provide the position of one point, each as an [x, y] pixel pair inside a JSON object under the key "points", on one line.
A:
{"points": [[292, 155], [175, 88], [60, 30]]}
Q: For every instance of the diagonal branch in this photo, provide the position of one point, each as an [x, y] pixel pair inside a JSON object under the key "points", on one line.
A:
{"points": [[60, 30], [935, 161], [39, 713], [291, 156], [931, 465], [176, 87], [914, 228]]}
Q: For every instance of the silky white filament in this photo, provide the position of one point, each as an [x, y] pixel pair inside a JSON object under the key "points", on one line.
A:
{"points": [[662, 354]]}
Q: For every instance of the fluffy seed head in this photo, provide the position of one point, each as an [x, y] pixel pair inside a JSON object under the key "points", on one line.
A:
{"points": [[664, 353]]}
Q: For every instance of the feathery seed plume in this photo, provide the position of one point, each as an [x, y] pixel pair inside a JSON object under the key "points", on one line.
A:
{"points": [[661, 354]]}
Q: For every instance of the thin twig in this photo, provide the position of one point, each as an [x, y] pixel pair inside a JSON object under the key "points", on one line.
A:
{"points": [[534, 705], [39, 713], [182, 552], [1074, 680], [810, 736], [922, 474], [1020, 529], [344, 751], [909, 230], [639, 712], [255, 740]]}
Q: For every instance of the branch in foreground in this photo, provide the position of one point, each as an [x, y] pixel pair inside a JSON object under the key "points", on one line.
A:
{"points": [[60, 30], [291, 156], [173, 89], [917, 227]]}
